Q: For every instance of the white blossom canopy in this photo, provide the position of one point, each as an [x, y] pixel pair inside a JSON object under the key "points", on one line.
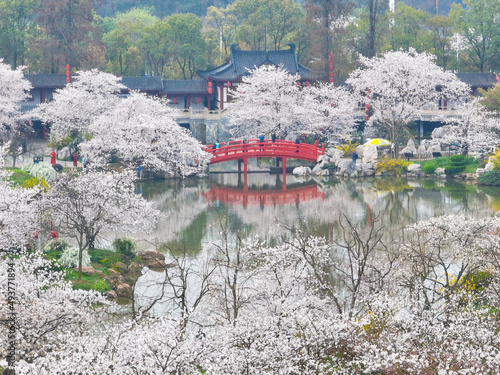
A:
{"points": [[268, 101], [79, 103], [14, 89], [473, 128], [399, 84], [142, 130]]}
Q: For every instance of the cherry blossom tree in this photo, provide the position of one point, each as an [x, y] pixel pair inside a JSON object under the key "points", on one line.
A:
{"points": [[268, 101], [474, 128], [141, 130], [82, 206], [398, 85], [332, 111], [427, 314], [47, 310], [14, 89], [17, 224], [79, 103]]}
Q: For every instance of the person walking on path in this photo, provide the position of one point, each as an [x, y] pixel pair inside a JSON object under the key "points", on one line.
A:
{"points": [[53, 157], [354, 157], [75, 159]]}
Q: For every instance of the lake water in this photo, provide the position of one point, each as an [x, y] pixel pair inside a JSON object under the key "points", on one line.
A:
{"points": [[196, 212], [193, 210]]}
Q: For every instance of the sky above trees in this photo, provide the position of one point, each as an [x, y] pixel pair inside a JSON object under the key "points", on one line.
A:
{"points": [[174, 41]]}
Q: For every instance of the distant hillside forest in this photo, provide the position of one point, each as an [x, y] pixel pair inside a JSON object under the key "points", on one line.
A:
{"points": [[174, 39]]}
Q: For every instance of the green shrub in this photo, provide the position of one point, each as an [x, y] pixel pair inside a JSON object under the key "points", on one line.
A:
{"points": [[491, 178], [125, 246], [105, 257], [457, 159], [429, 168], [454, 169]]}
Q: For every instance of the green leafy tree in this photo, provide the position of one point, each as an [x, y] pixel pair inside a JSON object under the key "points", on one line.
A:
{"points": [[491, 97], [221, 24], [16, 23], [409, 29], [123, 41], [478, 24], [185, 44], [440, 28]]}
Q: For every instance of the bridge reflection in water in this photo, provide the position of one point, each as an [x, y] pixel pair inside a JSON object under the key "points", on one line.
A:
{"points": [[274, 197]]}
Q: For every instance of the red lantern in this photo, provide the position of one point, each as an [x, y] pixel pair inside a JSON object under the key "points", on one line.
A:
{"points": [[298, 83], [228, 84], [175, 100], [331, 74], [366, 117], [307, 83], [67, 67], [209, 84], [331, 55], [198, 100], [209, 90]]}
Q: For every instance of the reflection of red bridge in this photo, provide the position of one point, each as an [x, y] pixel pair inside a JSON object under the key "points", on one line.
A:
{"points": [[254, 148], [245, 197]]}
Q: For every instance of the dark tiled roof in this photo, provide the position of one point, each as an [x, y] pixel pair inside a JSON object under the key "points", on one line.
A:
{"points": [[185, 86], [143, 83], [482, 80], [44, 81], [240, 61]]}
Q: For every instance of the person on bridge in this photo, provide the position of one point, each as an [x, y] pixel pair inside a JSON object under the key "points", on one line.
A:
{"points": [[261, 142], [297, 142], [273, 138]]}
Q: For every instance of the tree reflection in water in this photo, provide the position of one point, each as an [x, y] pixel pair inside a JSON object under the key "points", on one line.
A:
{"points": [[190, 207]]}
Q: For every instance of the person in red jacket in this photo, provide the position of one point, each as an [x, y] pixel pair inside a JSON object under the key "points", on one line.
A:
{"points": [[75, 159], [53, 157]]}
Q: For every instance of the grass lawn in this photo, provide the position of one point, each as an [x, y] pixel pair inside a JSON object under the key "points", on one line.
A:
{"points": [[19, 176]]}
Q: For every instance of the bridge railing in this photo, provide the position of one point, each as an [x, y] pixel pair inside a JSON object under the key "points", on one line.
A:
{"points": [[255, 148]]}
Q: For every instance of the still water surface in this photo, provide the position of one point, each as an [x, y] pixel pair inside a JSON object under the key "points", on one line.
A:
{"points": [[194, 211]]}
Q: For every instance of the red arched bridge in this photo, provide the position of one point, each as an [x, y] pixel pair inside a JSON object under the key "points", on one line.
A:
{"points": [[254, 148]]}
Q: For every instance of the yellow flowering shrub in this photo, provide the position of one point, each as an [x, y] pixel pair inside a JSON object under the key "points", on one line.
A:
{"points": [[36, 181], [348, 148], [495, 159], [392, 166]]}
